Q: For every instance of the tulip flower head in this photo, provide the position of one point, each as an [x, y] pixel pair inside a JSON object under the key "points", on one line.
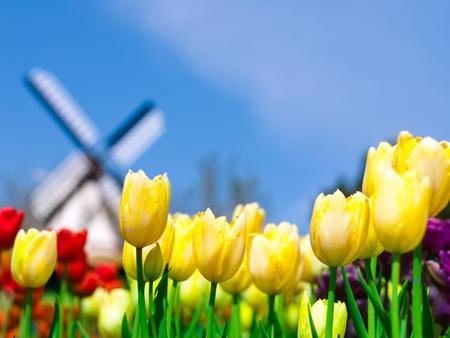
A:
{"points": [[90, 306], [192, 289], [312, 266], [339, 227], [428, 158], [10, 222], [319, 314], [273, 257], [378, 159], [400, 210], [33, 257], [129, 259], [71, 244], [254, 216], [144, 208], [182, 260], [240, 281], [371, 246], [117, 303], [219, 246], [153, 264]]}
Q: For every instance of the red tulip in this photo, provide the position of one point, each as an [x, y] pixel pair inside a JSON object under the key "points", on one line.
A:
{"points": [[71, 244], [10, 221], [107, 271], [87, 285], [74, 271]]}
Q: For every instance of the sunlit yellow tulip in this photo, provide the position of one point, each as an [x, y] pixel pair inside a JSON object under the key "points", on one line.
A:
{"points": [[400, 210], [254, 216], [193, 290], [240, 281], [90, 306], [117, 303], [312, 267], [339, 227], [218, 245], [377, 161], [293, 285], [273, 257], [144, 208], [33, 257], [428, 158], [129, 259], [256, 299], [319, 314], [182, 260], [371, 246], [167, 239], [153, 263]]}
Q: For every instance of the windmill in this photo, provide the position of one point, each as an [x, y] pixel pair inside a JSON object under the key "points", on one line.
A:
{"points": [[84, 189]]}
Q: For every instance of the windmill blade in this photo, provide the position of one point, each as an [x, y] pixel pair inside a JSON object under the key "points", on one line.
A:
{"points": [[111, 193], [59, 185], [134, 138], [63, 107]]}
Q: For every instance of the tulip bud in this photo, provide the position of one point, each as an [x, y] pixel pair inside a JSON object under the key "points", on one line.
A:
{"points": [[70, 245], [90, 306], [129, 259], [377, 161], [312, 267], [339, 227], [273, 257], [240, 281], [10, 222], [254, 216], [34, 257], [319, 315], [144, 208], [428, 158], [371, 246], [153, 263], [117, 303], [218, 245], [400, 210]]}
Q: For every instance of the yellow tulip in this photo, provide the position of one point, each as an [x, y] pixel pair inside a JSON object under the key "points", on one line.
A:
{"points": [[273, 257], [218, 245], [400, 210], [428, 158], [167, 239], [254, 216], [240, 281], [377, 161], [182, 260], [312, 267], [293, 285], [144, 208], [90, 306], [193, 290], [33, 257], [117, 303], [129, 258], [371, 246], [339, 227], [256, 299], [153, 264], [319, 314]]}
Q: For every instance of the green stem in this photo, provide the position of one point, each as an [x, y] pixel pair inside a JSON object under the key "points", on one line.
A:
{"points": [[26, 327], [395, 311], [371, 318], [417, 293], [151, 322], [330, 304], [271, 315], [170, 309], [236, 317], [6, 318], [177, 314], [212, 301], [280, 310], [141, 297]]}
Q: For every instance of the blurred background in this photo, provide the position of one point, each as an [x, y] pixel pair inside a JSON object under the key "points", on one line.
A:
{"points": [[269, 101]]}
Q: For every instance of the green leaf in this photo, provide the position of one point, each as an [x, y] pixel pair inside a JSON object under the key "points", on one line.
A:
{"points": [[402, 292], [262, 330], [427, 317], [376, 301], [83, 332], [404, 314], [54, 331], [311, 323], [161, 297], [225, 331], [194, 320], [126, 333], [353, 307]]}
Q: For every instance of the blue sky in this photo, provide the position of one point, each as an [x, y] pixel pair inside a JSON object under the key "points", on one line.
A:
{"points": [[295, 91]]}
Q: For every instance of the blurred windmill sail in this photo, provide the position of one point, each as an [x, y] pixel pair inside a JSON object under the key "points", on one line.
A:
{"points": [[84, 189]]}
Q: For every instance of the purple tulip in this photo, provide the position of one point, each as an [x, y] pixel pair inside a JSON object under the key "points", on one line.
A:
{"points": [[437, 236]]}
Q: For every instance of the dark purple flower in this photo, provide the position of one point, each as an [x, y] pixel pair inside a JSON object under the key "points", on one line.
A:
{"points": [[440, 306], [437, 236], [440, 270]]}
